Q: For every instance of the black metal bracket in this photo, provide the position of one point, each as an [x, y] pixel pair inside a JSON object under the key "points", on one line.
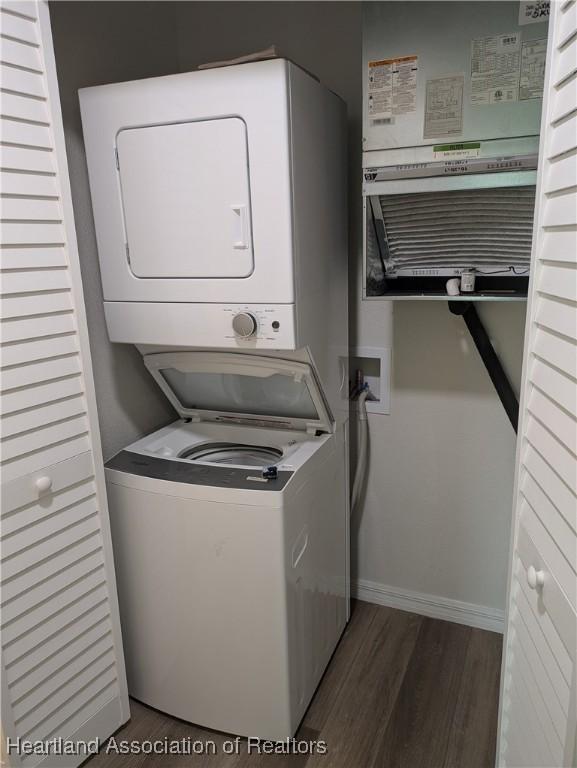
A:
{"points": [[489, 357]]}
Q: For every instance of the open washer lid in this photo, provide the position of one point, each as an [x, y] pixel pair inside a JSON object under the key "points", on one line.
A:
{"points": [[247, 389]]}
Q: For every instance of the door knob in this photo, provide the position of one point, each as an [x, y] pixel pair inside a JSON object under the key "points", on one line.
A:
{"points": [[535, 579], [43, 484]]}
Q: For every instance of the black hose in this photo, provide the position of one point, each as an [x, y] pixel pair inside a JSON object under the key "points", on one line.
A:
{"points": [[489, 358]]}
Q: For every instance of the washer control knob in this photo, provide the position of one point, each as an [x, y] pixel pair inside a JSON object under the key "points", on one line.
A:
{"points": [[244, 324]]}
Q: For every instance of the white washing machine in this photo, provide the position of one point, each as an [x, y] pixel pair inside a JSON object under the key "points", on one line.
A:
{"points": [[230, 536]]}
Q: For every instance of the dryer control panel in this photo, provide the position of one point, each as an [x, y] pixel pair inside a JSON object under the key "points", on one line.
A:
{"points": [[233, 326], [258, 322]]}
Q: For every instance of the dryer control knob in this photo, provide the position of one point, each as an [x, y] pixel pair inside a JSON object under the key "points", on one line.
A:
{"points": [[244, 324]]}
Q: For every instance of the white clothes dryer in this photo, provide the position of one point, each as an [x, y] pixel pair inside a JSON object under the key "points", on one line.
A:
{"points": [[219, 201]]}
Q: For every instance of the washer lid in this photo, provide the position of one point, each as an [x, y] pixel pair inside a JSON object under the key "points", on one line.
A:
{"points": [[242, 388]]}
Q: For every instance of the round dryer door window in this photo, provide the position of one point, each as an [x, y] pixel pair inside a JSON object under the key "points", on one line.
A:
{"points": [[233, 453]]}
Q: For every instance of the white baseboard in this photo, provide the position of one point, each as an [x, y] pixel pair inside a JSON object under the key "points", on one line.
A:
{"points": [[472, 615]]}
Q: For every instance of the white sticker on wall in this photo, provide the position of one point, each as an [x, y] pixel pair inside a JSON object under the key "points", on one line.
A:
{"points": [[444, 106], [533, 11], [495, 63], [533, 55], [392, 87]]}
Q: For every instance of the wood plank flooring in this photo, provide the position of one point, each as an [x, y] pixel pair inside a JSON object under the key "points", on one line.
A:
{"points": [[402, 691]]}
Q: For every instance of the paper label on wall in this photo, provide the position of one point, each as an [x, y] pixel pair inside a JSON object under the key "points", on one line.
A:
{"points": [[532, 80], [392, 87], [533, 11], [444, 106], [495, 63]]}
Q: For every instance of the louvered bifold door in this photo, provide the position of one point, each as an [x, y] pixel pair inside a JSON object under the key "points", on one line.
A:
{"points": [[62, 665], [538, 695]]}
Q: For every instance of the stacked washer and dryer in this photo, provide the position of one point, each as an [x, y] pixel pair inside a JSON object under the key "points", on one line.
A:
{"points": [[219, 201]]}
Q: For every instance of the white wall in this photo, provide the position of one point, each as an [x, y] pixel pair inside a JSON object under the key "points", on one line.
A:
{"points": [[95, 43], [438, 499], [437, 506]]}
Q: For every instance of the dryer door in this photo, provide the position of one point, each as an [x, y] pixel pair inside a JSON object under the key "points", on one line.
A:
{"points": [[186, 200], [218, 386]]}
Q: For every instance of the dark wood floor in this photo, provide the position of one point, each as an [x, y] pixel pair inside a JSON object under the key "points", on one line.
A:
{"points": [[402, 691]]}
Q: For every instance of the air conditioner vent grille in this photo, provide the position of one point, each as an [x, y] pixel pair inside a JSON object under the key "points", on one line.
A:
{"points": [[489, 229]]}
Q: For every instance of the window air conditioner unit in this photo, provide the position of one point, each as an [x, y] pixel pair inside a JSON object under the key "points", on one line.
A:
{"points": [[452, 97], [428, 222]]}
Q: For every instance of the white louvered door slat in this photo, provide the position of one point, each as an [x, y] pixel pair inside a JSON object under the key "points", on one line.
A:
{"points": [[62, 664], [538, 706]]}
